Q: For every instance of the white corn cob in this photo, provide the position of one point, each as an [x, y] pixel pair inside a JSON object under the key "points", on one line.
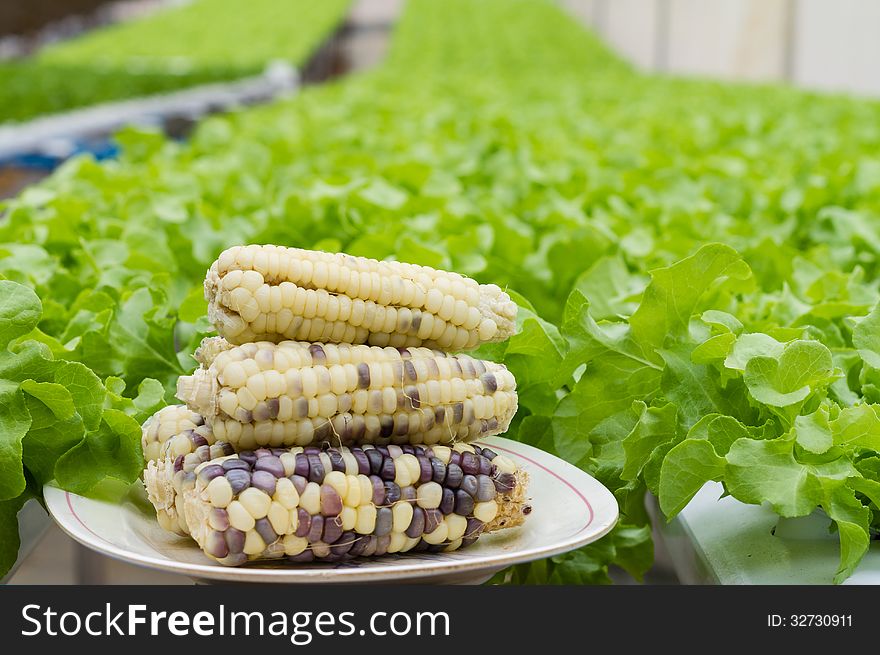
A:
{"points": [[296, 393], [273, 293]]}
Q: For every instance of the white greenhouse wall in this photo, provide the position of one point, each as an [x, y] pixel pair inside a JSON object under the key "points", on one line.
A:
{"points": [[831, 45]]}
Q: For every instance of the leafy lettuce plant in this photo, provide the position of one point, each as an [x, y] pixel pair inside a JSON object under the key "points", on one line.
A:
{"points": [[57, 420]]}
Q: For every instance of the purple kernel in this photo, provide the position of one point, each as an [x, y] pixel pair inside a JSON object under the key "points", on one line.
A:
{"points": [[363, 463], [234, 540], [388, 471], [392, 493], [316, 529], [489, 454], [304, 522], [438, 470], [378, 490], [271, 464], [464, 503], [264, 529], [235, 465], [234, 560], [426, 471], [417, 524], [316, 468], [332, 531], [469, 485], [473, 529], [357, 548], [305, 556], [485, 466], [178, 463], [215, 545], [447, 502], [384, 521], [239, 480], [433, 518], [331, 503], [336, 461], [382, 544], [485, 489], [454, 475], [210, 472], [248, 456], [505, 483], [469, 463], [343, 545], [302, 465], [299, 482], [219, 519], [375, 458], [264, 481]]}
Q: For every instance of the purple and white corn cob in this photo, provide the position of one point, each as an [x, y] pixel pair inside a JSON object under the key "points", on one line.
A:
{"points": [[313, 504]]}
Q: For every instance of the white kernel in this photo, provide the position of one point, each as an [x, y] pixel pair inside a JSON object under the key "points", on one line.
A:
{"points": [[285, 492], [239, 517], [443, 453], [366, 519], [338, 481], [429, 495], [401, 514], [255, 502], [219, 492], [488, 329], [251, 280], [504, 464], [294, 545], [348, 518], [438, 536], [279, 518], [310, 499], [253, 543], [256, 384], [352, 495], [486, 511], [397, 542], [233, 375]]}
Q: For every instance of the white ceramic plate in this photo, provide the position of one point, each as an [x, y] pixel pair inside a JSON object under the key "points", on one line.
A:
{"points": [[570, 509]]}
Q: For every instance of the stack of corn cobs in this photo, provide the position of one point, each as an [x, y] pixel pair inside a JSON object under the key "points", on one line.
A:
{"points": [[327, 420]]}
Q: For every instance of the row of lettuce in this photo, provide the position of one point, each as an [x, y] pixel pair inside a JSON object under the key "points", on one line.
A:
{"points": [[176, 47], [696, 263]]}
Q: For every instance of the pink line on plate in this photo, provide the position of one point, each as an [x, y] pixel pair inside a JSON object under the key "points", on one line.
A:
{"points": [[555, 475], [80, 521]]}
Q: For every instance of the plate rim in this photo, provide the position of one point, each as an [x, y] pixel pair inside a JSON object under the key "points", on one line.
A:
{"points": [[399, 571]]}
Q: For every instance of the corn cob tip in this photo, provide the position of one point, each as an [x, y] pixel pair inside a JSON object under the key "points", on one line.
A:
{"points": [[513, 505], [168, 422], [199, 391], [209, 349], [161, 493], [169, 472]]}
